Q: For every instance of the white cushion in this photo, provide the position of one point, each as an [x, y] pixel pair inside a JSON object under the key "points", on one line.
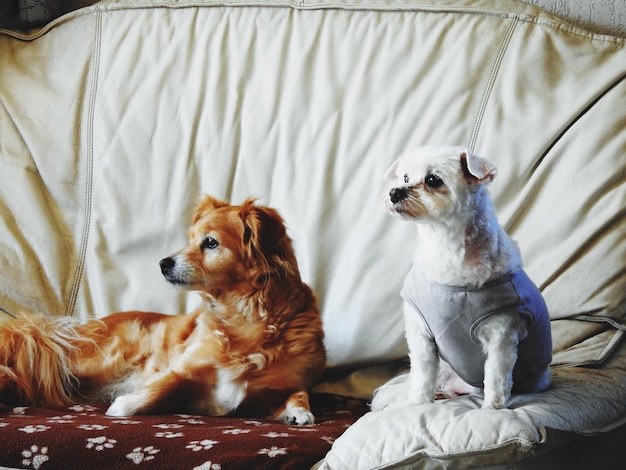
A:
{"points": [[459, 434]]}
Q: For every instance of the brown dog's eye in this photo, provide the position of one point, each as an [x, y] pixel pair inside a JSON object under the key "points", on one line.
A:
{"points": [[433, 181], [406, 178], [209, 243]]}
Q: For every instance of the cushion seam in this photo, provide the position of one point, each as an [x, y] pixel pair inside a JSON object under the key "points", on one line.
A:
{"points": [[525, 17], [489, 86], [88, 174]]}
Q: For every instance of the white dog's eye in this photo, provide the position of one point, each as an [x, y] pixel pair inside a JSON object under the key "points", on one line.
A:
{"points": [[209, 243], [433, 181], [406, 178]]}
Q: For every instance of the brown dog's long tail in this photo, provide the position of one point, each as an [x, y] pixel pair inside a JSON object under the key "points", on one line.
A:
{"points": [[35, 361]]}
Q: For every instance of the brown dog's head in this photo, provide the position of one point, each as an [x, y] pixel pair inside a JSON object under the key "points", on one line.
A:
{"points": [[231, 247]]}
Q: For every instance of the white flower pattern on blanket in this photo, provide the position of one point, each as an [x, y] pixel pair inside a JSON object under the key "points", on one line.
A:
{"points": [[82, 436], [100, 443], [35, 457]]}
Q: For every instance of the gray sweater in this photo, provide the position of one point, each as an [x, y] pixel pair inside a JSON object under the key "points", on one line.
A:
{"points": [[454, 313]]}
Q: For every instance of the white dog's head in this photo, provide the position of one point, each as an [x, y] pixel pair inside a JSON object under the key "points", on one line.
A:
{"points": [[436, 183]]}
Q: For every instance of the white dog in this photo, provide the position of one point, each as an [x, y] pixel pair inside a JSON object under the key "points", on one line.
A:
{"points": [[466, 298]]}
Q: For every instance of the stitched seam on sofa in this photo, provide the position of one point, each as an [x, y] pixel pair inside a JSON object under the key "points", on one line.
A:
{"points": [[3, 310], [569, 125], [527, 446], [557, 24], [603, 319], [601, 357], [495, 68], [602, 429], [527, 16], [88, 173]]}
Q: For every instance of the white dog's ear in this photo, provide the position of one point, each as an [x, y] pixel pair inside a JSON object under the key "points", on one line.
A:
{"points": [[477, 170], [392, 172]]}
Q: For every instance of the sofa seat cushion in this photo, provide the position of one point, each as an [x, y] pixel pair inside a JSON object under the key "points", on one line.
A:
{"points": [[458, 433]]}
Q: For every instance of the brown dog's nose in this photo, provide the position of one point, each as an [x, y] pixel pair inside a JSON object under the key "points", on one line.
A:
{"points": [[397, 194], [166, 265]]}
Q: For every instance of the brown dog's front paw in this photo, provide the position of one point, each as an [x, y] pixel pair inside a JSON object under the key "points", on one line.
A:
{"points": [[296, 410]]}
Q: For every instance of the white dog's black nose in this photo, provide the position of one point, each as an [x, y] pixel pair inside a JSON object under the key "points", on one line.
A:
{"points": [[397, 194], [167, 264]]}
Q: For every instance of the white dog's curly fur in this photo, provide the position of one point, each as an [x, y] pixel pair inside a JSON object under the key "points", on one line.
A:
{"points": [[459, 243]]}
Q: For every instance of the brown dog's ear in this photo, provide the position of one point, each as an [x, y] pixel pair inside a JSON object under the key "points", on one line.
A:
{"points": [[263, 227], [477, 170], [206, 204], [266, 244]]}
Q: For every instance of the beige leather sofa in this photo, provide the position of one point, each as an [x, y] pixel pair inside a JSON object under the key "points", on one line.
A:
{"points": [[114, 118]]}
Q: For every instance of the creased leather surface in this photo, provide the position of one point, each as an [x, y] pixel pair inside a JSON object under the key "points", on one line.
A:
{"points": [[133, 112]]}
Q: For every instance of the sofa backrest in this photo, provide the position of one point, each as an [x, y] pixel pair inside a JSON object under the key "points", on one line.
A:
{"points": [[115, 118]]}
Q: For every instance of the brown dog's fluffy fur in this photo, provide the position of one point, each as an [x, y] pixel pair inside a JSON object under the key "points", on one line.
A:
{"points": [[253, 349]]}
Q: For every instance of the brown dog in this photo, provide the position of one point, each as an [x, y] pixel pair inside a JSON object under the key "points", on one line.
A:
{"points": [[253, 349]]}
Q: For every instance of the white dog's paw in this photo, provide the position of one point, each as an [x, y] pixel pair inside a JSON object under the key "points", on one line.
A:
{"points": [[388, 401], [494, 401], [493, 405], [124, 405], [397, 394]]}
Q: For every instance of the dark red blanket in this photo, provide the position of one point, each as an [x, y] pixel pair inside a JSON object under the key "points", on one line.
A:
{"points": [[82, 437]]}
